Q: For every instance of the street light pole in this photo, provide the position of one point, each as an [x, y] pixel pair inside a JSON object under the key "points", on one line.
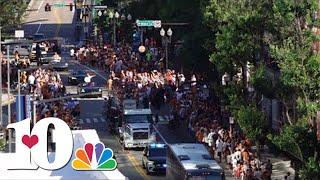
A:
{"points": [[19, 96], [114, 33], [166, 39], [9, 104], [1, 120], [166, 44]]}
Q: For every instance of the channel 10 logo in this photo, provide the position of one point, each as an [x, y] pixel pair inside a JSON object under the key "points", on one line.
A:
{"points": [[32, 152]]}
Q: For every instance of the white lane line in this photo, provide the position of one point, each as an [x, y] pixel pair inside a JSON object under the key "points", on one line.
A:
{"points": [[103, 119], [157, 131], [39, 27], [88, 120], [40, 5], [80, 121], [95, 120], [92, 71]]}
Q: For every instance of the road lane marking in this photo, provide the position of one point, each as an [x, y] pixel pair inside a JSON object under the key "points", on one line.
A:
{"points": [[163, 139], [95, 120], [88, 120], [80, 121], [39, 27], [41, 3], [134, 162], [137, 166]]}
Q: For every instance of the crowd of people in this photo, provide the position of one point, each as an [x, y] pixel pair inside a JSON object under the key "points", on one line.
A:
{"points": [[43, 83], [66, 110], [141, 76]]}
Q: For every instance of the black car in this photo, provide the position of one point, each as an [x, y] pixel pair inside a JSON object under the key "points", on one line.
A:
{"points": [[154, 158], [87, 88], [77, 77], [59, 66]]}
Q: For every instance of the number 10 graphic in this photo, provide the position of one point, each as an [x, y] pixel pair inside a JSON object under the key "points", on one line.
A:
{"points": [[31, 146]]}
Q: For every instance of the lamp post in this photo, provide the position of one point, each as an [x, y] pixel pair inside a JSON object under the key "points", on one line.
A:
{"points": [[166, 39], [9, 104], [114, 16], [1, 120]]}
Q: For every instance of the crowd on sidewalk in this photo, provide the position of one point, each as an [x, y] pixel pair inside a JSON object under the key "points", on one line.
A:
{"points": [[43, 83]]}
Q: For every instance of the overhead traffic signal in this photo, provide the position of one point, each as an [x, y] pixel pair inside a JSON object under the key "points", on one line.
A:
{"points": [[71, 6], [47, 7]]}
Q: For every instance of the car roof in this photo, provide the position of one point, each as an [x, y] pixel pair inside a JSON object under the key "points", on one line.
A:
{"points": [[194, 155], [137, 111], [157, 146]]}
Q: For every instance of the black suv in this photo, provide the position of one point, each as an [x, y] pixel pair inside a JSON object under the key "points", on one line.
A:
{"points": [[154, 158]]}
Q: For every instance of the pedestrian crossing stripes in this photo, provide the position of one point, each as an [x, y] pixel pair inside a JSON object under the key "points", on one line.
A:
{"points": [[162, 119], [92, 120]]}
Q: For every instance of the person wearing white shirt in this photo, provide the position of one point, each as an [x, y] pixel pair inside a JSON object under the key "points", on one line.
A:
{"points": [[219, 146]]}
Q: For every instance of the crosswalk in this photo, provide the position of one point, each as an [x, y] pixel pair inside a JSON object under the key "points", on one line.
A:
{"points": [[162, 119], [92, 120]]}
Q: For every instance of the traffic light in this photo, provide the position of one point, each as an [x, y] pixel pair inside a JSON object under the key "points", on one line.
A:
{"points": [[71, 6], [47, 7]]}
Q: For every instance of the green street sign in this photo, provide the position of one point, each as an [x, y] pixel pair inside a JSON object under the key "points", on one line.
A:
{"points": [[59, 5], [145, 23], [149, 23]]}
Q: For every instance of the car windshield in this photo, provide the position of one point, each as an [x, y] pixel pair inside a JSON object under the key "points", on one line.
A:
{"points": [[140, 118], [157, 152]]}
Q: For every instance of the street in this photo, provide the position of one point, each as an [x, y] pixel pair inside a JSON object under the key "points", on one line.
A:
{"points": [[207, 90]]}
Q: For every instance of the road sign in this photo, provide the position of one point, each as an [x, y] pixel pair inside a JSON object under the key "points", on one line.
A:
{"points": [[149, 23], [19, 33], [157, 24], [59, 4]]}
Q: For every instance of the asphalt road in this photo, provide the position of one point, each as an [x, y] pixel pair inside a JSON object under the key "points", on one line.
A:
{"points": [[59, 22]]}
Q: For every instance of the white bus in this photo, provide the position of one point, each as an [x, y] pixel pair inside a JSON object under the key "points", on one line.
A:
{"points": [[191, 161]]}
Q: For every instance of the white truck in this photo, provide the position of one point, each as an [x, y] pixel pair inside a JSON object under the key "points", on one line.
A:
{"points": [[137, 129]]}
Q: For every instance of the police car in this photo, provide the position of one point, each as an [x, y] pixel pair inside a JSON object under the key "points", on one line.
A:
{"points": [[154, 158]]}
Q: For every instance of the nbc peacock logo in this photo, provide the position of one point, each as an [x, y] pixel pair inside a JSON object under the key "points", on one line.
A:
{"points": [[94, 158]]}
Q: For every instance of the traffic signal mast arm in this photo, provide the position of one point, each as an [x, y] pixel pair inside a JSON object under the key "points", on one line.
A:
{"points": [[71, 5]]}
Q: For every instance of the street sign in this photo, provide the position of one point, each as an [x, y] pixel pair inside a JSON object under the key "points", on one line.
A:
{"points": [[149, 23], [157, 24], [59, 4], [19, 33]]}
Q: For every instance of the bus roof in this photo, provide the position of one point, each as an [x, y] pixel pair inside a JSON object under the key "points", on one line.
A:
{"points": [[137, 111], [194, 156]]}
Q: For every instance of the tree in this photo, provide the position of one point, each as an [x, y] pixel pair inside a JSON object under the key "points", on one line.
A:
{"points": [[11, 13], [253, 122], [272, 31]]}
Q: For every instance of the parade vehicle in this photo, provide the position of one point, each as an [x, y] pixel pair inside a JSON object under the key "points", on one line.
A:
{"points": [[191, 161], [154, 158], [77, 77], [32, 55], [59, 65], [90, 88], [137, 129], [22, 50]]}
